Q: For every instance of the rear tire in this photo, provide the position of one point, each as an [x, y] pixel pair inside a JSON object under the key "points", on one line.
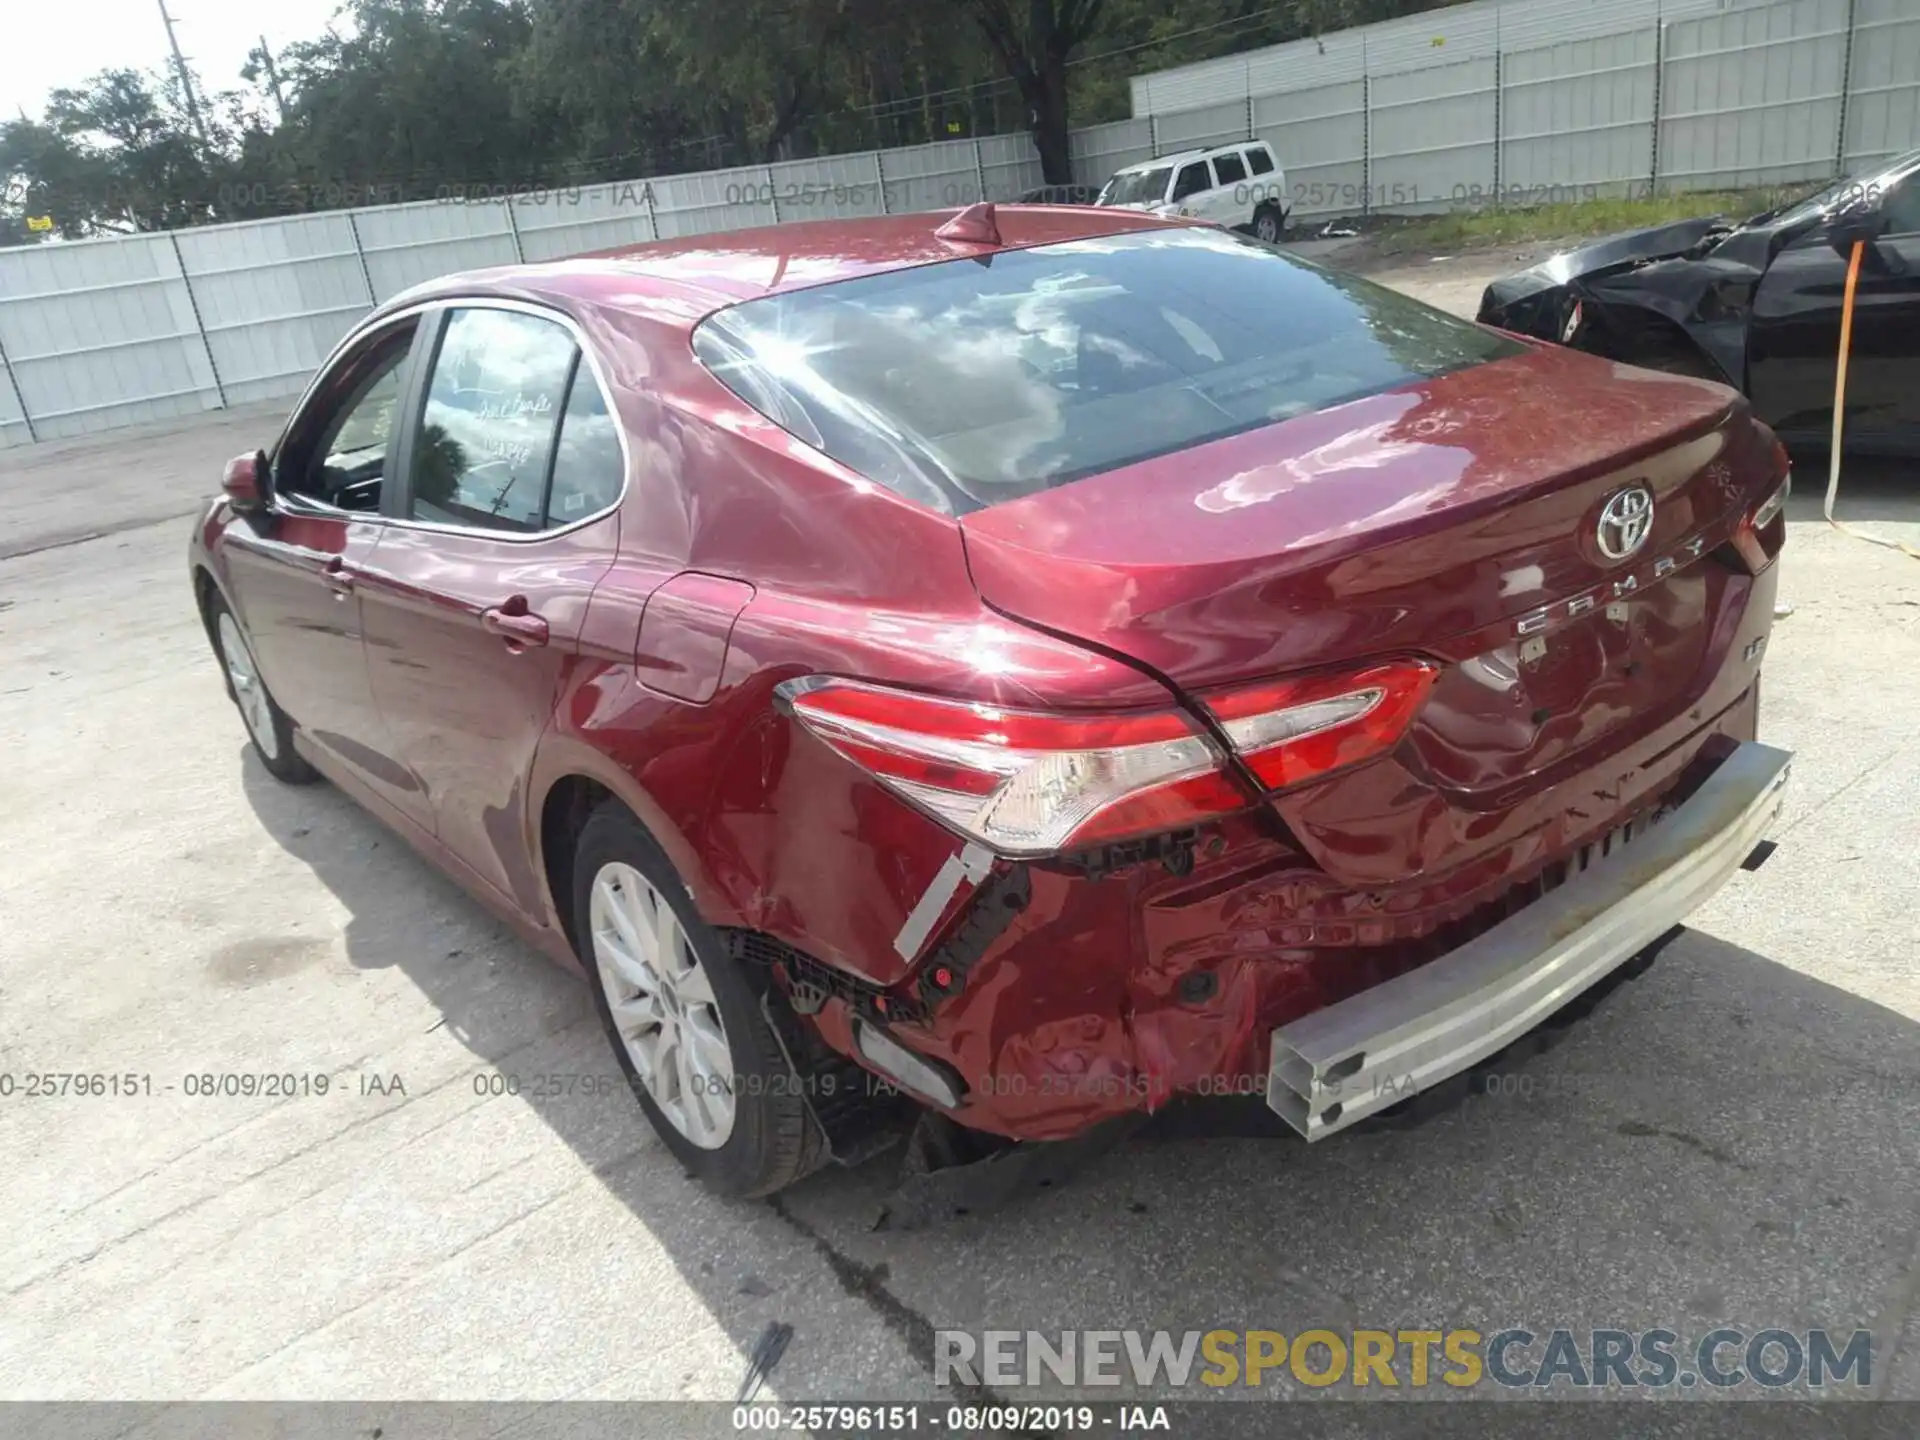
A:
{"points": [[1270, 224], [268, 727], [684, 1017]]}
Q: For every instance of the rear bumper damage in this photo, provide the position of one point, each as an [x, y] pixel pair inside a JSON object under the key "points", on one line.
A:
{"points": [[1059, 1003], [1337, 1066], [1058, 997], [1056, 1000]]}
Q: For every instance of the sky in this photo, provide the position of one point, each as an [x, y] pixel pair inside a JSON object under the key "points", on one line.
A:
{"points": [[45, 44]]}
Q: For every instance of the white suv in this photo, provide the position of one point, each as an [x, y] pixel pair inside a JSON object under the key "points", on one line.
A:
{"points": [[1240, 186]]}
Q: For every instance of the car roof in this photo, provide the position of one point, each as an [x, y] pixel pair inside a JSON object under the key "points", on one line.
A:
{"points": [[686, 279], [1182, 157]]}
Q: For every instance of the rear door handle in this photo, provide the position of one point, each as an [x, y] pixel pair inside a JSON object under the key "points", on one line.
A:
{"points": [[512, 623]]}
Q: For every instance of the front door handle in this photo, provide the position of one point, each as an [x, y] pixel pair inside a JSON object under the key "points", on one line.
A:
{"points": [[512, 623], [339, 578]]}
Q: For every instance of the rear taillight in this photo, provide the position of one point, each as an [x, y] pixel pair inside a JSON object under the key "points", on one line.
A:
{"points": [[1763, 531], [1022, 782], [1296, 730], [1769, 509], [1029, 783]]}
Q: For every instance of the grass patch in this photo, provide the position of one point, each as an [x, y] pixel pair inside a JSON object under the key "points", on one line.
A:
{"points": [[1478, 229]]}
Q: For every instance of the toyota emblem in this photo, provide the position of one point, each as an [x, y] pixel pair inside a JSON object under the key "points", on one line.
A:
{"points": [[1626, 522]]}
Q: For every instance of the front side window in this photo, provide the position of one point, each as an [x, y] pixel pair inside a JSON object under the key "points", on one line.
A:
{"points": [[494, 400], [1230, 169], [1193, 179], [969, 382], [337, 454], [368, 424]]}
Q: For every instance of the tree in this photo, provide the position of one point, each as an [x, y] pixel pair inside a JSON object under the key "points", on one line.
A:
{"points": [[602, 77], [412, 99], [416, 100], [752, 69], [1034, 49], [45, 174], [115, 154]]}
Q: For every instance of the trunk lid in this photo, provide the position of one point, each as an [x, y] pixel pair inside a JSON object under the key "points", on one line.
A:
{"points": [[1454, 518]]}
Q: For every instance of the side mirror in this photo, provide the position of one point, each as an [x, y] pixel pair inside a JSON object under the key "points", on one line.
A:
{"points": [[248, 483]]}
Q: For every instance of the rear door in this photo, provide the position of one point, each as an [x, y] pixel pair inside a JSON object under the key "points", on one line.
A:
{"points": [[1229, 202], [1266, 180], [512, 469], [292, 572], [1793, 340]]}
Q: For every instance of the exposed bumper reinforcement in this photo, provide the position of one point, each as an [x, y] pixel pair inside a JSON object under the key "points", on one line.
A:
{"points": [[1335, 1067]]}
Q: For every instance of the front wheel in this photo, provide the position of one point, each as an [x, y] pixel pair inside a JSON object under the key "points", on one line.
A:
{"points": [[684, 1019], [267, 724], [1269, 224]]}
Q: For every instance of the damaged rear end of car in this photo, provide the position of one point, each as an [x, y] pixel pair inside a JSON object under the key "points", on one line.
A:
{"points": [[1442, 656]]}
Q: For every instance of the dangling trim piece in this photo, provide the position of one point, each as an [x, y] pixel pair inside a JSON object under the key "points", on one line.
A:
{"points": [[970, 863]]}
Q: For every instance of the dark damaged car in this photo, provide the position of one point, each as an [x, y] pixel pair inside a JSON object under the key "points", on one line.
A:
{"points": [[1755, 304]]}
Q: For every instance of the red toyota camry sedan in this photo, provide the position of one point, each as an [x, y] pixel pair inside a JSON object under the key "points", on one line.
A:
{"points": [[1020, 665]]}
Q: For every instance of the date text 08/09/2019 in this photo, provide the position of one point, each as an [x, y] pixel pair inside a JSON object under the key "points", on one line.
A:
{"points": [[768, 1417]]}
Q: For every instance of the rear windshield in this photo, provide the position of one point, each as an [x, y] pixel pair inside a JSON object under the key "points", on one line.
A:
{"points": [[968, 382], [1141, 187]]}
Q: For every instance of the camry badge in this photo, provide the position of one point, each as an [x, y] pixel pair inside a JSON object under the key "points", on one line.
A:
{"points": [[1622, 587], [1626, 522]]}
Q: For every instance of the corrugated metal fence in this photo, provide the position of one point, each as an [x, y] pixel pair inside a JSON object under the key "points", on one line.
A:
{"points": [[1531, 101], [103, 333], [1489, 102]]}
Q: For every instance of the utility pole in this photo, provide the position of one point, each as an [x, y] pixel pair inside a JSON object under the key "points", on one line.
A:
{"points": [[186, 79], [273, 78]]}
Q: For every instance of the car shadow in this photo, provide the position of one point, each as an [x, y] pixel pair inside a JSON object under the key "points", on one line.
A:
{"points": [[1723, 1140]]}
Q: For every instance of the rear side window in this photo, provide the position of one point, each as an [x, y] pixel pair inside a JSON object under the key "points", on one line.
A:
{"points": [[494, 400], [968, 382], [1902, 207], [1230, 168], [1193, 179], [516, 433], [588, 465], [1260, 160]]}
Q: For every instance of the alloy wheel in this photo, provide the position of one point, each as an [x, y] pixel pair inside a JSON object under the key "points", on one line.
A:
{"points": [[663, 1004], [255, 708]]}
